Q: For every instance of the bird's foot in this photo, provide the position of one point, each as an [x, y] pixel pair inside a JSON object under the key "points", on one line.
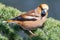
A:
{"points": [[32, 35]]}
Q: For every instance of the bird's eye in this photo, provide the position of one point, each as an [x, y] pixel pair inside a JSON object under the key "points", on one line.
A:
{"points": [[42, 9]]}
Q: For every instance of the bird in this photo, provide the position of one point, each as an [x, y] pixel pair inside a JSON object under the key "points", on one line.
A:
{"points": [[32, 19]]}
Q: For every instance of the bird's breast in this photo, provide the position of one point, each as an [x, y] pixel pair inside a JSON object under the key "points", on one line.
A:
{"points": [[29, 25]]}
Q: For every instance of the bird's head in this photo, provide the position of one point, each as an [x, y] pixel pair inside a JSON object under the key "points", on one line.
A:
{"points": [[44, 8]]}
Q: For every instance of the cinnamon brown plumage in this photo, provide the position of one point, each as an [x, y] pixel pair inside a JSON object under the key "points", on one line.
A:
{"points": [[32, 19]]}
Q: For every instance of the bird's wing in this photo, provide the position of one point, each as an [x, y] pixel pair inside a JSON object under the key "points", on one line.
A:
{"points": [[25, 17], [30, 17]]}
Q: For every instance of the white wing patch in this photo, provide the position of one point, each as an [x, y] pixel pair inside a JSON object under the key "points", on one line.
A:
{"points": [[33, 13], [30, 17]]}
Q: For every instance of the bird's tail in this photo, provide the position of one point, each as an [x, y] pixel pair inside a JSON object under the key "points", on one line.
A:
{"points": [[12, 21]]}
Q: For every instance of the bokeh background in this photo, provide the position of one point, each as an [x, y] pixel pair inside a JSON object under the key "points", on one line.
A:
{"points": [[26, 5], [12, 8]]}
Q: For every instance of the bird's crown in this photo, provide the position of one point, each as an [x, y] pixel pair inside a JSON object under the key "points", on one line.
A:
{"points": [[44, 6]]}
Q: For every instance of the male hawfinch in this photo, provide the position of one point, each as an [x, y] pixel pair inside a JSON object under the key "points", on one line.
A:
{"points": [[32, 19]]}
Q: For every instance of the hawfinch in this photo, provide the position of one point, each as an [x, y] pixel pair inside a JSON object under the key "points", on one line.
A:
{"points": [[32, 19]]}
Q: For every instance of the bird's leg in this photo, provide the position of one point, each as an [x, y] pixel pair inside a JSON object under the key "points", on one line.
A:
{"points": [[31, 33]]}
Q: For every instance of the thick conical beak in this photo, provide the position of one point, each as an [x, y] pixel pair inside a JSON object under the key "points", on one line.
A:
{"points": [[43, 13]]}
